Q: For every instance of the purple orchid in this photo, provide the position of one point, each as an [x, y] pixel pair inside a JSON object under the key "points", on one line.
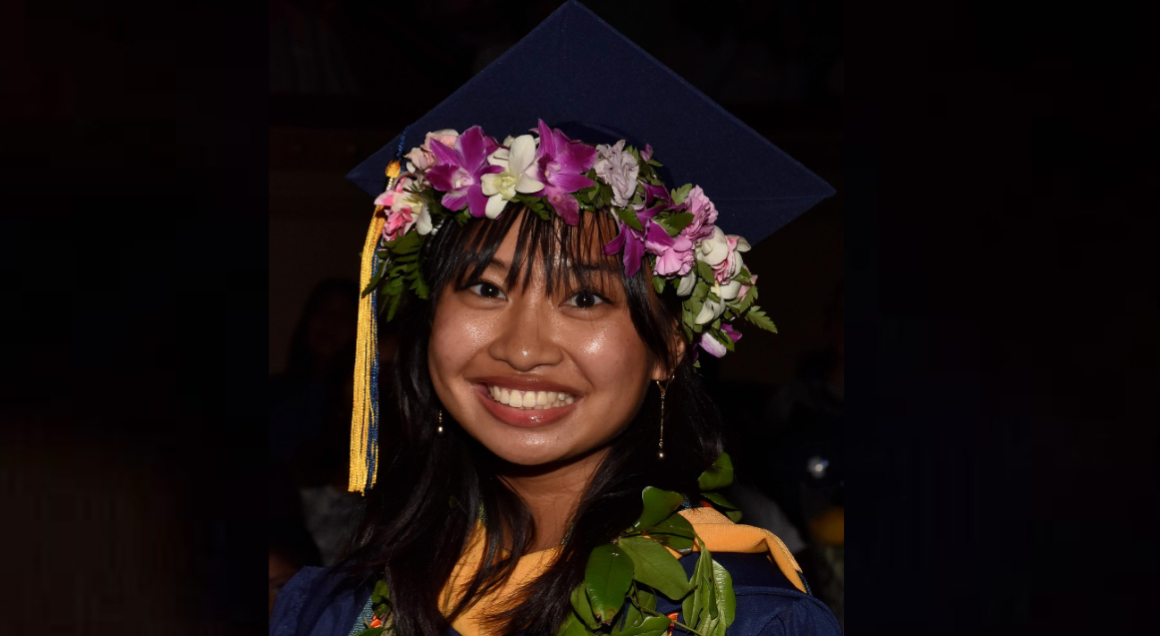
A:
{"points": [[459, 171], [563, 163], [653, 239], [714, 347]]}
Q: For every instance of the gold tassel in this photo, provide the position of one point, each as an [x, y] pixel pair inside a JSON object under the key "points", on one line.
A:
{"points": [[365, 416], [364, 451]]}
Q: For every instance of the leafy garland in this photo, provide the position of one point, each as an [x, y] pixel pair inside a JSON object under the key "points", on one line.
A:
{"points": [[622, 578]]}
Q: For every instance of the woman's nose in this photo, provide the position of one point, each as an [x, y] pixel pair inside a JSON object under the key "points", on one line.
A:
{"points": [[525, 340]]}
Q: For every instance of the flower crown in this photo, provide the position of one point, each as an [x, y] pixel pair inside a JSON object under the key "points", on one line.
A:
{"points": [[471, 175]]}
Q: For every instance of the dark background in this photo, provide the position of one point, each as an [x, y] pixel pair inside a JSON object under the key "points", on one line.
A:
{"points": [[999, 174]]}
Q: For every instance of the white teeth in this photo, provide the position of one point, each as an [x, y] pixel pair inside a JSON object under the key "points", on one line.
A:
{"points": [[538, 400]]}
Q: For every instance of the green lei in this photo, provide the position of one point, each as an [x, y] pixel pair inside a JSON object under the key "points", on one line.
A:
{"points": [[623, 577]]}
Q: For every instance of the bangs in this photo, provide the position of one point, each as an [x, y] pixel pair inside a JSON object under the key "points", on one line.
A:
{"points": [[571, 257]]}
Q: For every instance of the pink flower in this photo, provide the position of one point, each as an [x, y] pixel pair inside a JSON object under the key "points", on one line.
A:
{"points": [[422, 157], [618, 169], [404, 211], [704, 215], [678, 259]]}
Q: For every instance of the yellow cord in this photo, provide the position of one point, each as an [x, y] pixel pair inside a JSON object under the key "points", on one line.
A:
{"points": [[365, 415]]}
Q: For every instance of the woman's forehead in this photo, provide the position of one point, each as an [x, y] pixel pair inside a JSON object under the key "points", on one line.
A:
{"points": [[538, 248]]}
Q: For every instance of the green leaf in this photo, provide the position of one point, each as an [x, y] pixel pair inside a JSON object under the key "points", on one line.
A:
{"points": [[651, 626], [758, 317], [645, 598], [700, 292], [693, 306], [607, 578], [740, 306], [675, 532], [572, 627], [374, 282], [681, 193], [393, 307], [658, 282], [374, 631], [679, 221], [717, 476], [381, 593], [654, 162], [419, 285], [640, 601], [705, 271], [584, 608], [674, 525], [406, 244], [694, 605], [725, 600], [655, 566], [658, 505], [628, 216], [719, 499], [731, 511]]}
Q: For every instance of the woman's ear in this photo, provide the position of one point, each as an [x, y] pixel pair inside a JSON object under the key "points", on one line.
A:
{"points": [[661, 370]]}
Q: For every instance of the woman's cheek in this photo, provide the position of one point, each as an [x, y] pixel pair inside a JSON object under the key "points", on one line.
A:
{"points": [[611, 354]]}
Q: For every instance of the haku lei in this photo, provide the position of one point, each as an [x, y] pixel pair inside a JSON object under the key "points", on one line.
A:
{"points": [[672, 232], [622, 579]]}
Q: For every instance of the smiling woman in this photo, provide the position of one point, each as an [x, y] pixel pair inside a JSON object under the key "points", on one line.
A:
{"points": [[540, 368], [547, 461]]}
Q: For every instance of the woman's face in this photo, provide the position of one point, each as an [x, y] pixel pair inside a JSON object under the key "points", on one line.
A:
{"points": [[538, 378]]}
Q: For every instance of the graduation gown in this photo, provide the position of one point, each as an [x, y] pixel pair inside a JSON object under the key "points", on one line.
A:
{"points": [[772, 596]]}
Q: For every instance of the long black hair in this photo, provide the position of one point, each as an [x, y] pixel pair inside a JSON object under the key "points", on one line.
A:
{"points": [[432, 488]]}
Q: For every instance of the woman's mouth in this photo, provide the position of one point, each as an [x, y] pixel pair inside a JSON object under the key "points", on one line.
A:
{"points": [[527, 407], [529, 400]]}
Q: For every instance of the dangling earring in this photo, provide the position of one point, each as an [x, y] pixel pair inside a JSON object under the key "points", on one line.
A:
{"points": [[439, 429], [661, 444]]}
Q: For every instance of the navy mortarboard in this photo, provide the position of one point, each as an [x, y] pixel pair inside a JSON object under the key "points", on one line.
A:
{"points": [[576, 118]]}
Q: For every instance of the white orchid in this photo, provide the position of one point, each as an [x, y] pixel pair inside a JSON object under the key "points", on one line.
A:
{"points": [[519, 174], [712, 309], [688, 282], [722, 252]]}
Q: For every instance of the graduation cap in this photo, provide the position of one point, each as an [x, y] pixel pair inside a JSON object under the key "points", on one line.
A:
{"points": [[580, 75], [577, 74]]}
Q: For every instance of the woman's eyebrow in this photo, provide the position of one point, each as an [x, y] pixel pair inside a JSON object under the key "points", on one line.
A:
{"points": [[498, 262]]}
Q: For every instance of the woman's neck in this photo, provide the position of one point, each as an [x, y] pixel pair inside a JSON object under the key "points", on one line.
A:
{"points": [[552, 494]]}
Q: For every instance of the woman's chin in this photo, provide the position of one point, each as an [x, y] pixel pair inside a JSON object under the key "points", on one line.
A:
{"points": [[531, 457]]}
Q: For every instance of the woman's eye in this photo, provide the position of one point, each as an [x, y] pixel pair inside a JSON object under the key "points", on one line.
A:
{"points": [[585, 300], [487, 290]]}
